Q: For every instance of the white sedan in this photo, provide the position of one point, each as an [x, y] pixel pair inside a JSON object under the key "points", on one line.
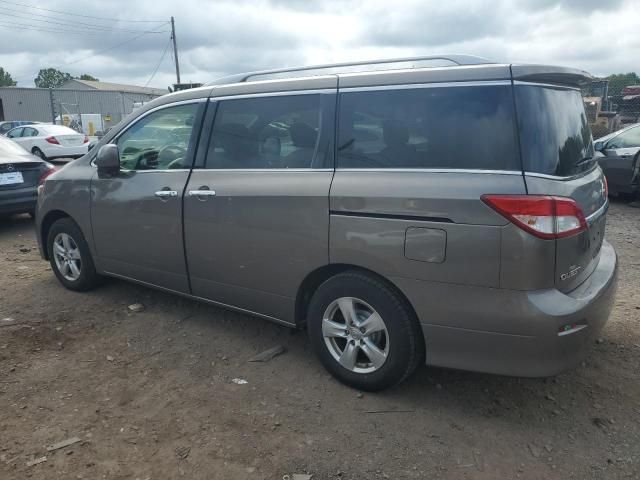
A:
{"points": [[50, 141]]}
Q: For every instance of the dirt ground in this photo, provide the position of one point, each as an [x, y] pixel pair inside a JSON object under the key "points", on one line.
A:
{"points": [[150, 394]]}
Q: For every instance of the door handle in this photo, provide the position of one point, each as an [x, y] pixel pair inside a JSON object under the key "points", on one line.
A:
{"points": [[166, 193], [201, 193]]}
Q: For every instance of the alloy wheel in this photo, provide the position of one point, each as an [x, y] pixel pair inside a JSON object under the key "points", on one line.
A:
{"points": [[355, 335], [67, 256]]}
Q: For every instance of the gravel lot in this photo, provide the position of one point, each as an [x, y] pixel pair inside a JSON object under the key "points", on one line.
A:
{"points": [[149, 395]]}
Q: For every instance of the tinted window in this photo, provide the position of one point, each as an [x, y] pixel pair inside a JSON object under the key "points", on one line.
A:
{"points": [[628, 139], [555, 137], [159, 141], [5, 127], [29, 132], [266, 132], [439, 127]]}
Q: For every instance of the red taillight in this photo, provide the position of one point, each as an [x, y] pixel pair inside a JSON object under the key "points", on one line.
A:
{"points": [[53, 140], [45, 174], [86, 139], [541, 215]]}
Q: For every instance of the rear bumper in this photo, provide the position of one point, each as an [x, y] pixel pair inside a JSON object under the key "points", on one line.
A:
{"points": [[19, 200], [514, 332]]}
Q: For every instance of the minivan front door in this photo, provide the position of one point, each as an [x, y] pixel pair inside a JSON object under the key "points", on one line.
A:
{"points": [[256, 215], [136, 213]]}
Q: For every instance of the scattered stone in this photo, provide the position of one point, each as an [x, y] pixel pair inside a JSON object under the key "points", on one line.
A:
{"points": [[599, 422], [599, 341], [239, 381], [183, 452], [548, 448], [550, 397], [63, 443], [25, 250], [535, 451], [268, 354], [110, 358], [301, 476], [136, 307], [36, 461], [8, 321], [359, 395]]}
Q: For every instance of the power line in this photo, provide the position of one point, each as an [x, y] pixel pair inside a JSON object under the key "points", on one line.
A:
{"points": [[41, 28], [160, 62], [79, 15], [29, 16], [92, 55]]}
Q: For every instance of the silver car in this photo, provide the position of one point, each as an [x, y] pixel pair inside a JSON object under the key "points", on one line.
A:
{"points": [[452, 215]]}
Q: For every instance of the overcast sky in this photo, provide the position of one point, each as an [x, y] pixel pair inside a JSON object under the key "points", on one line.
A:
{"points": [[218, 37]]}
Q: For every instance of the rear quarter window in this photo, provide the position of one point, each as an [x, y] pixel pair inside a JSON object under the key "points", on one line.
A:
{"points": [[453, 127], [555, 137]]}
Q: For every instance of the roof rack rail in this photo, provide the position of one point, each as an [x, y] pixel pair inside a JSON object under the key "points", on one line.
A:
{"points": [[457, 59]]}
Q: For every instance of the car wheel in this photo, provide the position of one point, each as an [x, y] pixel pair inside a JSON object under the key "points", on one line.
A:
{"points": [[70, 257], [38, 153], [363, 332]]}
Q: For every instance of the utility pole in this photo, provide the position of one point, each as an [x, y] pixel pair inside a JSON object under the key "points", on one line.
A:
{"points": [[53, 108], [175, 49]]}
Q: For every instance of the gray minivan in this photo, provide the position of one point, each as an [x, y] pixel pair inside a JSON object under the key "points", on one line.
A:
{"points": [[404, 212]]}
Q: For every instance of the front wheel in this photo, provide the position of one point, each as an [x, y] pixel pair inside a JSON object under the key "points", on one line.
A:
{"points": [[363, 332], [70, 257]]}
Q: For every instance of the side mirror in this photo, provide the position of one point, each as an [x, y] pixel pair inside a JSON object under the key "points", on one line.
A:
{"points": [[108, 159], [598, 146]]}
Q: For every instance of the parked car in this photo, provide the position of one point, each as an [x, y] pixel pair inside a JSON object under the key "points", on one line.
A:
{"points": [[428, 225], [617, 154], [6, 126], [50, 141], [20, 175]]}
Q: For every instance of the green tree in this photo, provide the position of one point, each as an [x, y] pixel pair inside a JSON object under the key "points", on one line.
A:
{"points": [[5, 79], [86, 76], [51, 78], [618, 81]]}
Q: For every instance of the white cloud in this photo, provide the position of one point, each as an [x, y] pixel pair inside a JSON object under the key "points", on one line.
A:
{"points": [[219, 37]]}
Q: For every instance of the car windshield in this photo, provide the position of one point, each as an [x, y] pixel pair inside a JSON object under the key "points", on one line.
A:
{"points": [[555, 137]]}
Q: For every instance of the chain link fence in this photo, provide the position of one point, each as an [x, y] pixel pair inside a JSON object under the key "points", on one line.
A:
{"points": [[611, 106]]}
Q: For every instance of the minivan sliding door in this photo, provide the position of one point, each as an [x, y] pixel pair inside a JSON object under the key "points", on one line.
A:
{"points": [[256, 214]]}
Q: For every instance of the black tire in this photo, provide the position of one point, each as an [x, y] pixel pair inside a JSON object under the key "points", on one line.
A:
{"points": [[88, 277], [38, 153], [406, 343]]}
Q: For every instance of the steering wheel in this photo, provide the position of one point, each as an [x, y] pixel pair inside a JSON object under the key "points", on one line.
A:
{"points": [[176, 164], [144, 158], [170, 153]]}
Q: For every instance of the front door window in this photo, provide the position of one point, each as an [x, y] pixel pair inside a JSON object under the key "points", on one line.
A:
{"points": [[159, 141]]}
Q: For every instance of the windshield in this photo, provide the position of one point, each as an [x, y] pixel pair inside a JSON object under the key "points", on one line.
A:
{"points": [[555, 137]]}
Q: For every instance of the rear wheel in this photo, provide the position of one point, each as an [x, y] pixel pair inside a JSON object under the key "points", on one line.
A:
{"points": [[363, 332], [70, 257], [38, 153]]}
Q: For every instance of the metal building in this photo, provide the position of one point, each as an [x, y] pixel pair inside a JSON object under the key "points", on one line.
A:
{"points": [[112, 101]]}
